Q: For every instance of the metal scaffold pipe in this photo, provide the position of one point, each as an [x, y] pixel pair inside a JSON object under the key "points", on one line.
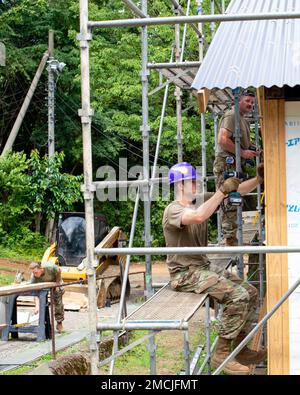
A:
{"points": [[202, 116], [144, 325], [199, 250], [219, 220], [125, 276], [238, 168], [173, 65], [161, 123], [178, 93], [181, 11], [134, 8], [185, 32], [129, 183], [212, 25], [259, 208], [145, 129], [88, 188], [223, 6], [200, 27], [171, 20]]}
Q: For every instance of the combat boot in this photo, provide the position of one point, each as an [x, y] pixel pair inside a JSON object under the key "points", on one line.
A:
{"points": [[222, 351], [231, 241], [59, 327], [247, 356]]}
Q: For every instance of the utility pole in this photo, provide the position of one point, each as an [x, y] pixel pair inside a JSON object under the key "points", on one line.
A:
{"points": [[54, 68], [51, 96]]}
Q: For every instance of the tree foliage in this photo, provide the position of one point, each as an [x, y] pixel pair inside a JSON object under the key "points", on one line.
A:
{"points": [[30, 189], [115, 61], [51, 191]]}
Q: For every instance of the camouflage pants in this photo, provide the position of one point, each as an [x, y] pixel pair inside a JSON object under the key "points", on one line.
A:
{"points": [[228, 216], [59, 312], [239, 299]]}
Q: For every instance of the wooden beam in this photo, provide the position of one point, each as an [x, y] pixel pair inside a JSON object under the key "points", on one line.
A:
{"points": [[20, 289], [203, 98], [276, 233], [110, 239], [260, 94]]}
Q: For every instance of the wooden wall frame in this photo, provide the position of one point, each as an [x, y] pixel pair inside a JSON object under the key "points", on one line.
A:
{"points": [[273, 134]]}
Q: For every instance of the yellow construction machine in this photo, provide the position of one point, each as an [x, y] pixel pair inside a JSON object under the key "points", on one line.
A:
{"points": [[69, 252]]}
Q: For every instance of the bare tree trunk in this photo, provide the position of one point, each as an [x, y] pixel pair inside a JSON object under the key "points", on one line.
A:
{"points": [[74, 167], [49, 230], [38, 220]]}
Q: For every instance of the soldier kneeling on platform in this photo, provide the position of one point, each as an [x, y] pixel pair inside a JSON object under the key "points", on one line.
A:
{"points": [[185, 225], [50, 272]]}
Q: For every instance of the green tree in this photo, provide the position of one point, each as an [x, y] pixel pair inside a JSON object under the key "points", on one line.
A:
{"points": [[14, 191], [51, 191], [115, 60], [32, 190]]}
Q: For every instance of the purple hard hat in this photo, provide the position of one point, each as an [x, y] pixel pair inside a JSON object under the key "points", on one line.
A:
{"points": [[182, 171]]}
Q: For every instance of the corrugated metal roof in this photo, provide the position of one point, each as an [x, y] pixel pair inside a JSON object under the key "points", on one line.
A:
{"points": [[253, 53]]}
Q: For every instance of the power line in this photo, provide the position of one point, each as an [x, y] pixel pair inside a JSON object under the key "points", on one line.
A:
{"points": [[118, 136], [102, 153], [107, 137]]}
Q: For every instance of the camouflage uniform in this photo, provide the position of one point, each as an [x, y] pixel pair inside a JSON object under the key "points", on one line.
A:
{"points": [[229, 216], [239, 299], [51, 270], [192, 273], [59, 311]]}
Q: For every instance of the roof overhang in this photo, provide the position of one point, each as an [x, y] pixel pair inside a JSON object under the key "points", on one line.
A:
{"points": [[253, 53]]}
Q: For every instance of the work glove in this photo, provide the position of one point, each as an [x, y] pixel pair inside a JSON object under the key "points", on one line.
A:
{"points": [[230, 185], [260, 173]]}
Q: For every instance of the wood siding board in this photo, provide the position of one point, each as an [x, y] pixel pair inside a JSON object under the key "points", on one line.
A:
{"points": [[276, 232]]}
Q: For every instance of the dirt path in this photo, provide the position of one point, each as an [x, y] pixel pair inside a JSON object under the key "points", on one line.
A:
{"points": [[159, 269], [10, 266], [79, 320]]}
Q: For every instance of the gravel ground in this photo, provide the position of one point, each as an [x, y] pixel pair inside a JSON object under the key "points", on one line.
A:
{"points": [[73, 321], [79, 320]]}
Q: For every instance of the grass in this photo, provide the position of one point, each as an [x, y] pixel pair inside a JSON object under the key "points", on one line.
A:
{"points": [[169, 352], [6, 279], [7, 269], [25, 255]]}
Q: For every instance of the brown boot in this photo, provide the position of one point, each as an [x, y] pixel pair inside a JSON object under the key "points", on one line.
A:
{"points": [[231, 241], [247, 356], [222, 351], [59, 327]]}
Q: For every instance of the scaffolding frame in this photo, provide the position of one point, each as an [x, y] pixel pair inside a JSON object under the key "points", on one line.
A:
{"points": [[89, 187]]}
